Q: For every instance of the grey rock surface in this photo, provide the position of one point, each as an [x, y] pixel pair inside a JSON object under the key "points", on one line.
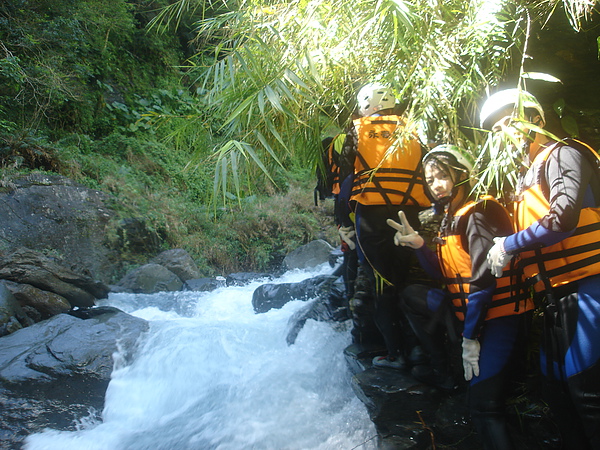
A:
{"points": [[150, 279], [48, 212], [310, 255]]}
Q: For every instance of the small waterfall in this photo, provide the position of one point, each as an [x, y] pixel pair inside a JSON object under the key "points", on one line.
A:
{"points": [[212, 374]]}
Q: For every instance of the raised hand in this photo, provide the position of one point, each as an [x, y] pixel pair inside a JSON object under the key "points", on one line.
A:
{"points": [[405, 233]]}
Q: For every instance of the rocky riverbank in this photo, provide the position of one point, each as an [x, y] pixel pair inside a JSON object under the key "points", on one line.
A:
{"points": [[57, 348]]}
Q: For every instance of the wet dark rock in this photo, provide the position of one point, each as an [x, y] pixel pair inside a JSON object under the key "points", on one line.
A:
{"points": [[48, 212], [329, 306], [57, 370], [46, 303], [410, 415], [244, 278], [12, 316], [310, 255], [26, 266], [325, 295], [275, 295], [203, 284], [65, 346], [150, 279], [179, 262]]}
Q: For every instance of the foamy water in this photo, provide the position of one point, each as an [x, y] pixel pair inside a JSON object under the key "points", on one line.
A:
{"points": [[212, 374]]}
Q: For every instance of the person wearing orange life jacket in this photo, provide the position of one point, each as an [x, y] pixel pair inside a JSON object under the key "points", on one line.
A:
{"points": [[557, 243], [490, 314], [385, 158], [328, 180]]}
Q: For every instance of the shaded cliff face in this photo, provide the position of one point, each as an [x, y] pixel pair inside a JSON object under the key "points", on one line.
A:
{"points": [[52, 214], [74, 224]]}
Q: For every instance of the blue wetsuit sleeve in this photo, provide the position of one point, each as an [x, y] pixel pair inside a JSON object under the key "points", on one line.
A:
{"points": [[477, 308], [568, 176], [343, 208], [533, 236], [429, 262]]}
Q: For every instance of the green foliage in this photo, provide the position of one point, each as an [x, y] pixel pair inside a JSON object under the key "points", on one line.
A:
{"points": [[61, 62], [87, 91], [26, 151], [284, 72]]}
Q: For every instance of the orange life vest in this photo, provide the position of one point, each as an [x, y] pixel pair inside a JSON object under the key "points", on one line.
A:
{"points": [[455, 263], [574, 258], [333, 165], [388, 165]]}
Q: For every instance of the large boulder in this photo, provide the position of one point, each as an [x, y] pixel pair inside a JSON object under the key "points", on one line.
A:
{"points": [[65, 345], [150, 279], [12, 315], [47, 212], [30, 267], [60, 368], [274, 295], [46, 304], [310, 255], [179, 262]]}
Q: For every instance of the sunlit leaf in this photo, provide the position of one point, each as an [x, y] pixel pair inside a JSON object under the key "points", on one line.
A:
{"points": [[541, 76]]}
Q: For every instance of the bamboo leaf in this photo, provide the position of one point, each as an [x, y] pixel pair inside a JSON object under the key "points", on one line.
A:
{"points": [[541, 77], [267, 147], [235, 173], [241, 108], [250, 151], [273, 98]]}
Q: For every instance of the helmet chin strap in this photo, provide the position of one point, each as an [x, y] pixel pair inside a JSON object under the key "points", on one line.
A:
{"points": [[445, 200], [441, 203]]}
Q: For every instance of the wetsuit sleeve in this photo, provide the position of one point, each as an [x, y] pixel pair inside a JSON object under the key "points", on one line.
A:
{"points": [[429, 262], [568, 174], [483, 224]]}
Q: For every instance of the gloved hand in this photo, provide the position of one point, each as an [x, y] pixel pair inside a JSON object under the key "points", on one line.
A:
{"points": [[470, 357], [497, 258], [405, 234], [347, 233]]}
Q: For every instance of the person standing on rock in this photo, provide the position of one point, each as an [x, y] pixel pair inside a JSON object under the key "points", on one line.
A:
{"points": [[557, 245], [489, 311], [385, 157]]}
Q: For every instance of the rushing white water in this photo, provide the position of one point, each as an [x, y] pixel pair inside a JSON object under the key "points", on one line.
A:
{"points": [[212, 374]]}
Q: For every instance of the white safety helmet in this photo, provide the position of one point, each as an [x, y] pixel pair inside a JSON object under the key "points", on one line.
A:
{"points": [[463, 159], [501, 99], [374, 97]]}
